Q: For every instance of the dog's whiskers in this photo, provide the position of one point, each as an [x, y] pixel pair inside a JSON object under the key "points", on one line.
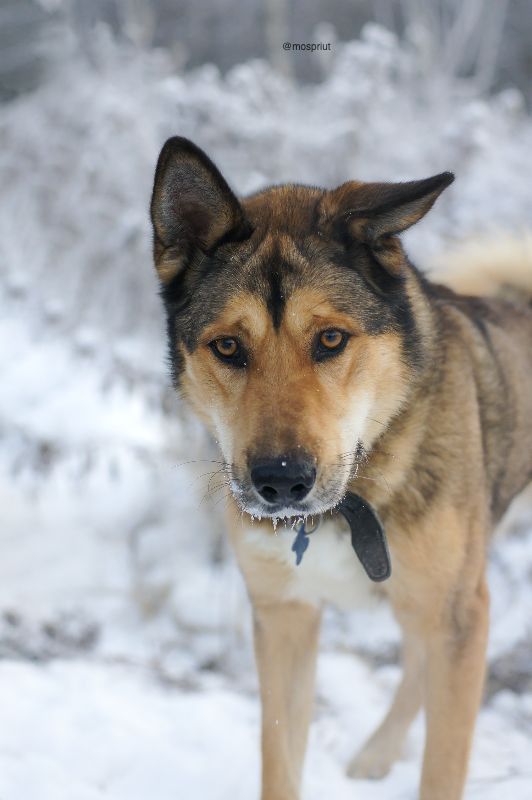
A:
{"points": [[201, 461], [213, 475], [225, 498], [211, 490]]}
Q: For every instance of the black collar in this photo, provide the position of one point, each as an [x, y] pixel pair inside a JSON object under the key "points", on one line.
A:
{"points": [[367, 537]]}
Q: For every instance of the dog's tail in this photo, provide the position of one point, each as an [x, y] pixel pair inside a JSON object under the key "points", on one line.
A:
{"points": [[499, 266]]}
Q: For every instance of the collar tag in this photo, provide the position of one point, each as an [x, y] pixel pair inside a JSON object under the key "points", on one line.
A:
{"points": [[367, 536], [300, 543]]}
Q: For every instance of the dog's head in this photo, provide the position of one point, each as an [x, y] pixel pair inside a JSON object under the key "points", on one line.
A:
{"points": [[293, 327]]}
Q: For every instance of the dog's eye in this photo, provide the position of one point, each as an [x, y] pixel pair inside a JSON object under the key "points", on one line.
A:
{"points": [[331, 339], [226, 347], [329, 343], [229, 350]]}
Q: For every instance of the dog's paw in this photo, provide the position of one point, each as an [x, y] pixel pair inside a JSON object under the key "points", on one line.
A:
{"points": [[371, 764]]}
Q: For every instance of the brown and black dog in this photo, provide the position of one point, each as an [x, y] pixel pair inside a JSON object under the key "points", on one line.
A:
{"points": [[324, 362]]}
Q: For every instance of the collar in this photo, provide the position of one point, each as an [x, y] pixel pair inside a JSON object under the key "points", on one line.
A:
{"points": [[368, 537]]}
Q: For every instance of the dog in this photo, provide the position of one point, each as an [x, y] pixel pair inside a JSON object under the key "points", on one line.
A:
{"points": [[324, 363]]}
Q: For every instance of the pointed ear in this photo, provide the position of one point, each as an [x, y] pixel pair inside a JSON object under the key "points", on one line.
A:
{"points": [[192, 207], [370, 212]]}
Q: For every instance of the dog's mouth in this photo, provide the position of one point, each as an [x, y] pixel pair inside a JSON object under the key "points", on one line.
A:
{"points": [[285, 514]]}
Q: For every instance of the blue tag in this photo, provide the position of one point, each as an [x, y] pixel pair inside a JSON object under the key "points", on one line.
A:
{"points": [[300, 544]]}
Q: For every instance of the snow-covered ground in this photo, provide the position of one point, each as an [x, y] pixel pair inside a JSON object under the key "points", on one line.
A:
{"points": [[126, 668], [85, 730]]}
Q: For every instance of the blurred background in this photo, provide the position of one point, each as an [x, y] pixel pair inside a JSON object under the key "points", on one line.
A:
{"points": [[124, 625]]}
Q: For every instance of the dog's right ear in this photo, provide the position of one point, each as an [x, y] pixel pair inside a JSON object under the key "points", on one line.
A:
{"points": [[192, 208]]}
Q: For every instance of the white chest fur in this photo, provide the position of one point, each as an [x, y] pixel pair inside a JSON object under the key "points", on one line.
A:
{"points": [[330, 571]]}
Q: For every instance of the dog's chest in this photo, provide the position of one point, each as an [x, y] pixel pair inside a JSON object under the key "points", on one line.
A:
{"points": [[329, 572]]}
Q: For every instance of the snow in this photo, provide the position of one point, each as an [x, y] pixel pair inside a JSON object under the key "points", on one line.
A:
{"points": [[126, 664], [109, 731]]}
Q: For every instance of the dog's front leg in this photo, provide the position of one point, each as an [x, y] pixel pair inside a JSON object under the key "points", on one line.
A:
{"points": [[455, 675], [286, 641], [384, 747]]}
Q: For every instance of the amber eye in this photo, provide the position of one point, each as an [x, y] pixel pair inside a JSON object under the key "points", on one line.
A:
{"points": [[230, 351], [331, 339], [328, 343], [226, 347]]}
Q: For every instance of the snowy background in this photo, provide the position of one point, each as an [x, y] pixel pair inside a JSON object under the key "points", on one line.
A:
{"points": [[125, 662]]}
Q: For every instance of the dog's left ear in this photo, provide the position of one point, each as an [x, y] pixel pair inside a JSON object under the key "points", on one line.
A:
{"points": [[192, 208], [373, 212]]}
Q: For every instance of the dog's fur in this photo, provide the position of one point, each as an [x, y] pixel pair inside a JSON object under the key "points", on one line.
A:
{"points": [[425, 412]]}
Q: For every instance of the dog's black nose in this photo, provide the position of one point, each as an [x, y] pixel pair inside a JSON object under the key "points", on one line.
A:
{"points": [[283, 481]]}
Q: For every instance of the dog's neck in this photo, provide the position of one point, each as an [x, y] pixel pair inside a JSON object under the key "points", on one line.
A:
{"points": [[389, 470]]}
